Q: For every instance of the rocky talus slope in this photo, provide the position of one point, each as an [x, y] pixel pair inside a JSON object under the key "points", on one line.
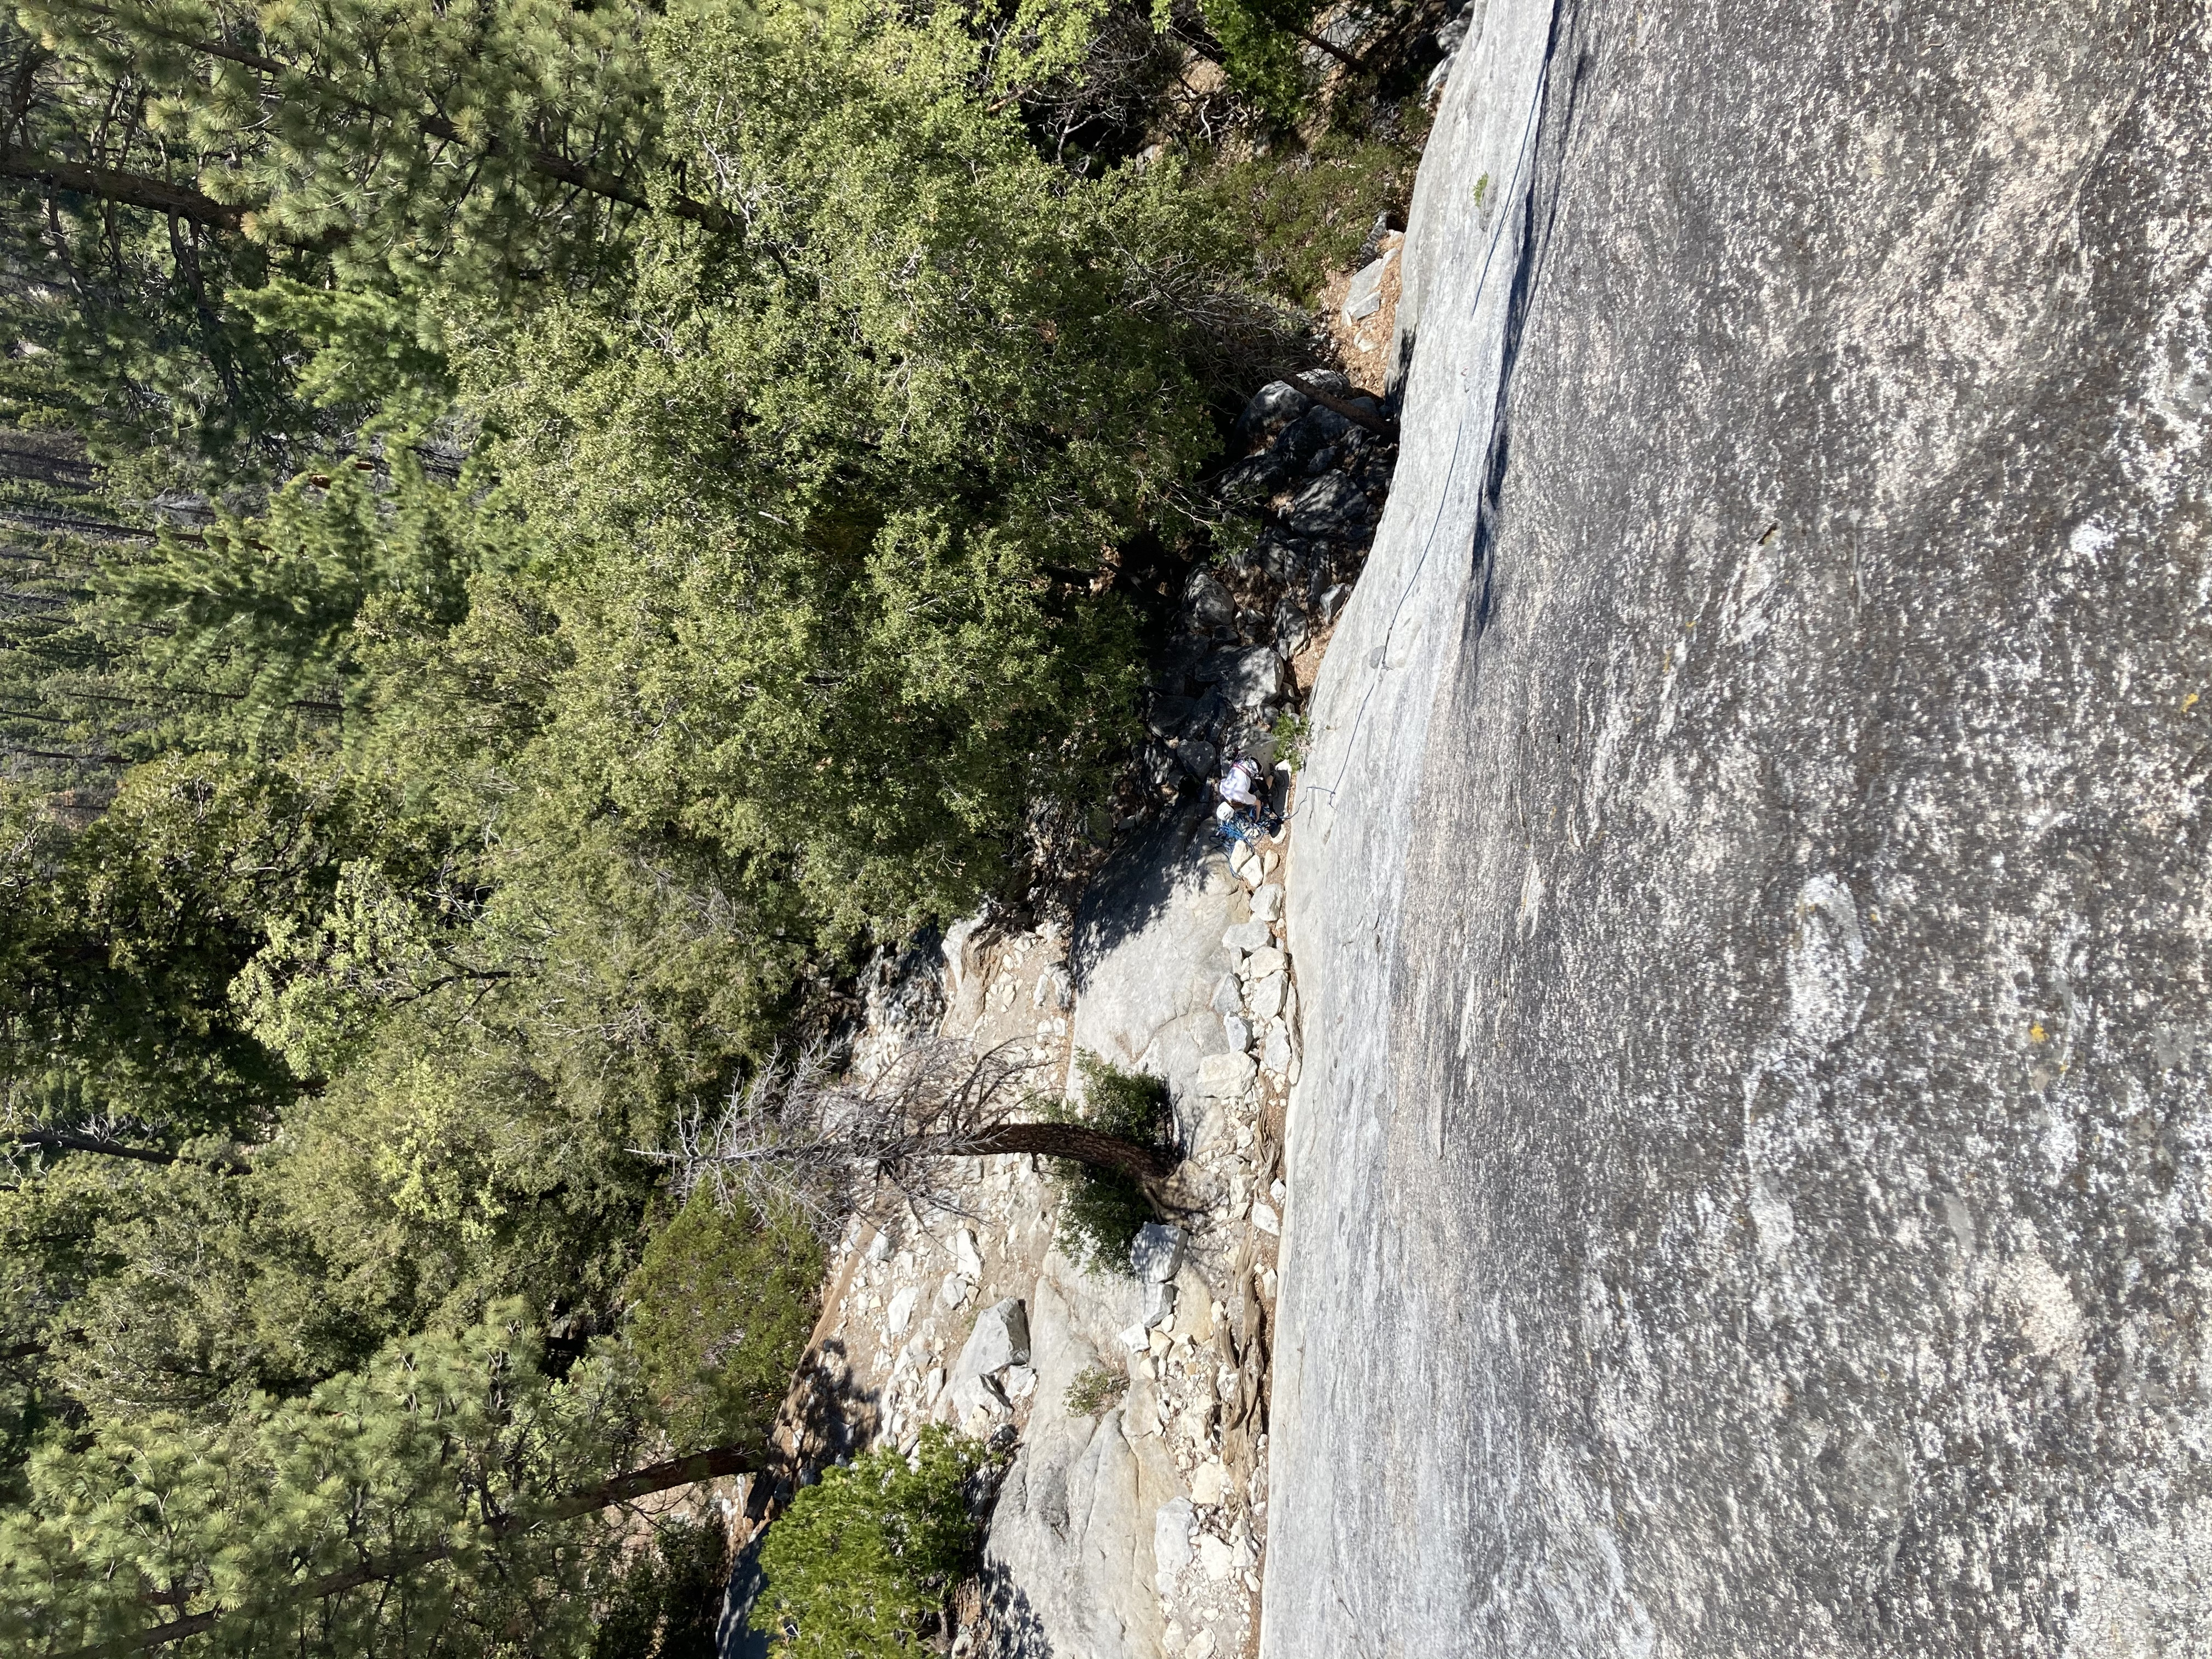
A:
{"points": [[1748, 1178], [1132, 1521]]}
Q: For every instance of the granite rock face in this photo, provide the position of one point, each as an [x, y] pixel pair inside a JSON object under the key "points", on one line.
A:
{"points": [[1069, 1555], [1748, 1177]]}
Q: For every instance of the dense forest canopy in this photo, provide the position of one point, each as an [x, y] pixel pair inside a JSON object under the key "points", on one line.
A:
{"points": [[536, 535]]}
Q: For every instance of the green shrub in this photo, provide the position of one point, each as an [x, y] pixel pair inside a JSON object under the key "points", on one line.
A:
{"points": [[724, 1306], [1305, 214], [1100, 1210], [1261, 52], [1094, 1389], [669, 1600], [861, 1563], [1293, 733]]}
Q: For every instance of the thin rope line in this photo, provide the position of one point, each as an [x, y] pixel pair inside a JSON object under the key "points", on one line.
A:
{"points": [[1451, 472]]}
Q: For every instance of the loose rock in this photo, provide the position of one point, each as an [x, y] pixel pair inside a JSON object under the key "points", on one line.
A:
{"points": [[1364, 298], [1156, 1253], [1266, 999], [902, 1310], [1220, 1075]]}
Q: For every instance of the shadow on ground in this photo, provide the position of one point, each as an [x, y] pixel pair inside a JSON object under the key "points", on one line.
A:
{"points": [[1136, 885]]}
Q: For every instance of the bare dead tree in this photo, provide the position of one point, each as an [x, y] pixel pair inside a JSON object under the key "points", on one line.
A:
{"points": [[807, 1132]]}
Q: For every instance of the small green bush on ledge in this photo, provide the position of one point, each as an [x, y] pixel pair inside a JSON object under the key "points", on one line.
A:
{"points": [[1100, 1211], [862, 1562], [1095, 1389]]}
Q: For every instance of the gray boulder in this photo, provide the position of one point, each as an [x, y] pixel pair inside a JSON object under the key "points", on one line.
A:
{"points": [[1000, 1339], [1364, 298], [1265, 963], [1266, 999], [1159, 1302], [1208, 601], [1156, 1252], [1310, 435], [1288, 557], [1198, 757], [1331, 507], [1248, 678], [1273, 406], [1224, 1075], [967, 1258]]}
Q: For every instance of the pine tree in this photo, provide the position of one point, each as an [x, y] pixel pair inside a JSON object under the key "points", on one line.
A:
{"points": [[171, 160], [428, 1504]]}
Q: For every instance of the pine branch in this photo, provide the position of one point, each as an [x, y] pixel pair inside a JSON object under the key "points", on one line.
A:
{"points": [[70, 1140], [550, 163], [132, 189]]}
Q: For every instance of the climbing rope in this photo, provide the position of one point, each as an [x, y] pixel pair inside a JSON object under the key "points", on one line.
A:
{"points": [[1451, 469]]}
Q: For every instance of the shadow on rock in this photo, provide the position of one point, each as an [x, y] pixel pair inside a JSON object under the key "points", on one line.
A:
{"points": [[826, 1417], [1011, 1629], [734, 1638], [1135, 887]]}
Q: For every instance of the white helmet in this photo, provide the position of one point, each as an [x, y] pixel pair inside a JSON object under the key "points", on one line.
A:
{"points": [[1223, 812]]}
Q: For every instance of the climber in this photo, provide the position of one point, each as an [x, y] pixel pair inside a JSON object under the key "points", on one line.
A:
{"points": [[1239, 787]]}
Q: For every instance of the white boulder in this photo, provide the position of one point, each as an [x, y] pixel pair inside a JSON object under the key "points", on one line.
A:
{"points": [[1216, 1555], [1172, 1530], [1224, 1075], [1364, 298], [1267, 995], [1000, 1339], [1207, 1483], [902, 1311], [1247, 936]]}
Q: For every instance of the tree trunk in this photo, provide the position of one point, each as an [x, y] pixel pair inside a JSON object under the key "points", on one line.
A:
{"points": [[1352, 412], [1093, 1148], [1330, 47], [638, 1483], [132, 189]]}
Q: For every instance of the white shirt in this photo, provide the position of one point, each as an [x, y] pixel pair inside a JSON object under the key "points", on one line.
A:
{"points": [[1236, 785]]}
